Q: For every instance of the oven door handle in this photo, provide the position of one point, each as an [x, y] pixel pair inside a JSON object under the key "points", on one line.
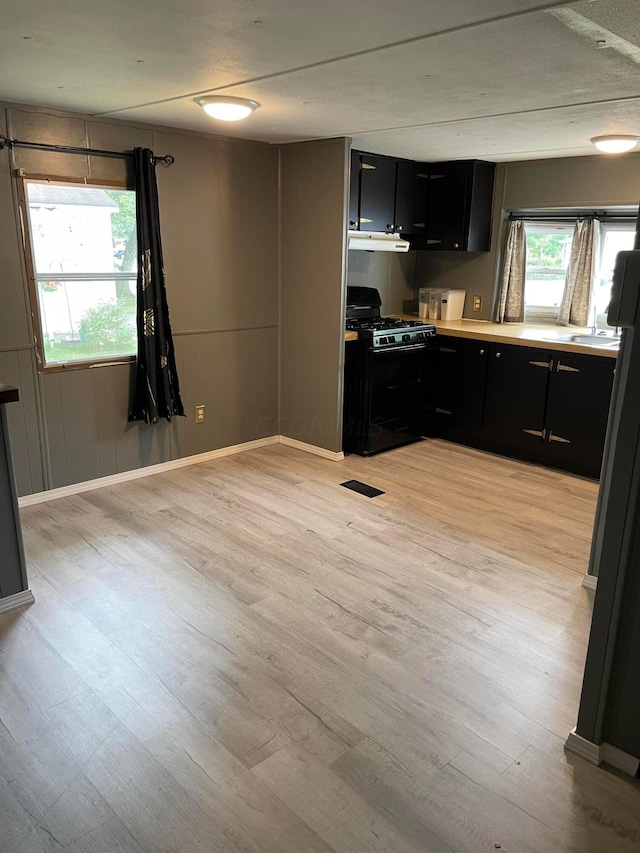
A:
{"points": [[409, 348]]}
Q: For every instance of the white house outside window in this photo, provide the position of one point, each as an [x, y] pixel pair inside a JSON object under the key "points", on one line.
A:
{"points": [[82, 240]]}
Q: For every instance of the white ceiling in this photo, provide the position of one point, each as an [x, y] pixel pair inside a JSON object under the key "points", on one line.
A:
{"points": [[426, 79]]}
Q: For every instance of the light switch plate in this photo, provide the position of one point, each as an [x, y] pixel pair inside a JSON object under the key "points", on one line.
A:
{"points": [[477, 303]]}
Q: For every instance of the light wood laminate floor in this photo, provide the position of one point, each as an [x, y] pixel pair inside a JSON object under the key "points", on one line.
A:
{"points": [[244, 656]]}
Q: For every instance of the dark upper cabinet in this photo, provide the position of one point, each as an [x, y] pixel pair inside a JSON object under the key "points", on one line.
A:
{"points": [[377, 193], [437, 206], [577, 410], [412, 184], [459, 203], [462, 375], [515, 399], [354, 191]]}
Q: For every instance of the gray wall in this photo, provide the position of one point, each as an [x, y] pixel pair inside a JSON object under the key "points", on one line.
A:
{"points": [[313, 202], [393, 275], [218, 206], [595, 181]]}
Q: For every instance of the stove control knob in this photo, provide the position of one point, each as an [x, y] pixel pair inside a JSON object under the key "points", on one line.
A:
{"points": [[383, 340], [406, 337], [392, 339]]}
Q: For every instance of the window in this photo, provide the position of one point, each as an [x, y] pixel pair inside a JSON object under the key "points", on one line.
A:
{"points": [[548, 253], [614, 237], [83, 259]]}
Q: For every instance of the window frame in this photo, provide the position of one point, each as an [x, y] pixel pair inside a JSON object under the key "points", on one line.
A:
{"points": [[32, 280], [544, 314]]}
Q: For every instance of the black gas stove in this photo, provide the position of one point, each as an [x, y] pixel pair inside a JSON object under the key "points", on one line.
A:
{"points": [[389, 377], [363, 316]]}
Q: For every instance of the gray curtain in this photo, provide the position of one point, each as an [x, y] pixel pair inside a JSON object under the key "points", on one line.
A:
{"points": [[510, 307], [576, 300]]}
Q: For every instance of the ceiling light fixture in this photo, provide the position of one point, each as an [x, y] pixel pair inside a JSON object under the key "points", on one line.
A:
{"points": [[615, 143], [227, 109]]}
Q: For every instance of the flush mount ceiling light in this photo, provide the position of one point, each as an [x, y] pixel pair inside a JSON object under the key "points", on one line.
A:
{"points": [[615, 143], [227, 109]]}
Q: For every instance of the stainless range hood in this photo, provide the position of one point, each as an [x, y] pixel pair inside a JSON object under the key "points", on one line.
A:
{"points": [[375, 241]]}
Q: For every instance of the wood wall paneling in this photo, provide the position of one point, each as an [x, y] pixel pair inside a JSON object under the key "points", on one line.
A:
{"points": [[313, 204], [14, 327], [219, 222]]}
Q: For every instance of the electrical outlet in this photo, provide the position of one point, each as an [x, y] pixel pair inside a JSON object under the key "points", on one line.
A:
{"points": [[201, 414], [477, 303]]}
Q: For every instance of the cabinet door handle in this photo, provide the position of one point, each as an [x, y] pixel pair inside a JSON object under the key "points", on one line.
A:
{"points": [[390, 226], [442, 411], [433, 242], [419, 224], [363, 219], [353, 222], [398, 227], [481, 352], [435, 177], [553, 437], [565, 367], [546, 364], [367, 166], [498, 355], [540, 433], [456, 245], [446, 349]]}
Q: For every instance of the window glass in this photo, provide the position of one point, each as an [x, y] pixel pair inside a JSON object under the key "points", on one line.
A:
{"points": [[83, 242], [615, 237], [548, 251]]}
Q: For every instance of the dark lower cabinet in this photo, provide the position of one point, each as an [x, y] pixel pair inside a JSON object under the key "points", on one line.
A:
{"points": [[462, 376], [533, 404], [516, 392], [577, 409]]}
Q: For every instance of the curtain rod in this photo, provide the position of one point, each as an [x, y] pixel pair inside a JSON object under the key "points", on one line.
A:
{"points": [[5, 142], [565, 217]]}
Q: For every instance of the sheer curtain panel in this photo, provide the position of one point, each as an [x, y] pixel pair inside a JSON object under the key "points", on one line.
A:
{"points": [[576, 301], [510, 307]]}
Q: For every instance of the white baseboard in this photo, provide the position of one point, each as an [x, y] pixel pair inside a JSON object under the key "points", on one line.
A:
{"points": [[171, 465], [591, 752], [620, 760], [603, 753], [20, 599], [312, 448], [148, 471], [590, 582]]}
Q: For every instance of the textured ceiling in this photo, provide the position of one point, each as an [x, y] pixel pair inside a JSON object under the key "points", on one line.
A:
{"points": [[429, 79]]}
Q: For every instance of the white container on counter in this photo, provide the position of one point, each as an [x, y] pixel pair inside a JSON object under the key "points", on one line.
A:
{"points": [[428, 307], [452, 304]]}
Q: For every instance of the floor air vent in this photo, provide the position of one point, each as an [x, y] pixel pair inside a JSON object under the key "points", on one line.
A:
{"points": [[362, 488]]}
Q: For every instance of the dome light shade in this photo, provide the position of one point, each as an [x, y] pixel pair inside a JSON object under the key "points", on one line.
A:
{"points": [[227, 109], [615, 143]]}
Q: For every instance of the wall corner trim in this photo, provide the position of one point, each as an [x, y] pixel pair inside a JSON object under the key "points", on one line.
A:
{"points": [[20, 599], [590, 582], [312, 448], [578, 745], [171, 465], [604, 753]]}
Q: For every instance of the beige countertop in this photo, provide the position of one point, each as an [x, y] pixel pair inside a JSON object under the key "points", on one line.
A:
{"points": [[521, 334]]}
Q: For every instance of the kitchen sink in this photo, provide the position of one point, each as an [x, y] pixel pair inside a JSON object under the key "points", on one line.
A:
{"points": [[589, 340]]}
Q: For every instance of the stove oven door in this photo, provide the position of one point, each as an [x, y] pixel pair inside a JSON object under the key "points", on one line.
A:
{"points": [[400, 396]]}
